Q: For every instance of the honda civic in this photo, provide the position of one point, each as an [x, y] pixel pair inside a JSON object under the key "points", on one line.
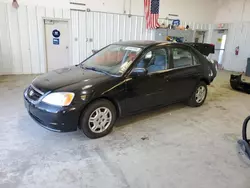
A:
{"points": [[121, 79]]}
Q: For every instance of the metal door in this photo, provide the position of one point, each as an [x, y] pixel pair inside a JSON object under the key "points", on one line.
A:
{"points": [[219, 40], [57, 44]]}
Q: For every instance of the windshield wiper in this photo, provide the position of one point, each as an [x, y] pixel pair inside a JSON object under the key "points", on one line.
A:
{"points": [[95, 69], [91, 68]]}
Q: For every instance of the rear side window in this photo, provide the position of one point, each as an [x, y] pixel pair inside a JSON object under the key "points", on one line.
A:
{"points": [[195, 60], [183, 58]]}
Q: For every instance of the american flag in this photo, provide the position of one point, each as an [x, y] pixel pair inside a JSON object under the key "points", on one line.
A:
{"points": [[151, 8]]}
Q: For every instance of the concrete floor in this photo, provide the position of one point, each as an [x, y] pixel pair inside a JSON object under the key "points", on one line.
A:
{"points": [[183, 147]]}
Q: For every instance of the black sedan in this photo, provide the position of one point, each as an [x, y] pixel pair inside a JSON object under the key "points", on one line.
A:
{"points": [[121, 79]]}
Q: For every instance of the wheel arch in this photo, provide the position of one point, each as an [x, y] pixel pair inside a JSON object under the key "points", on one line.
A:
{"points": [[205, 80], [114, 102]]}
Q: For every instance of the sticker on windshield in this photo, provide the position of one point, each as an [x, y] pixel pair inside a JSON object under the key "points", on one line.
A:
{"points": [[133, 49], [125, 66]]}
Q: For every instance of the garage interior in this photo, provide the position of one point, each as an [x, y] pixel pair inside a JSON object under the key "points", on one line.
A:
{"points": [[174, 146]]}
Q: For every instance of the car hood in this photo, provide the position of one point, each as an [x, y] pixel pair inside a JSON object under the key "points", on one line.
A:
{"points": [[67, 76]]}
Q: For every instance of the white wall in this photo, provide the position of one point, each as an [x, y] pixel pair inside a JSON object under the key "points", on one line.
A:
{"points": [[22, 38], [22, 49], [232, 11], [237, 14], [238, 35], [95, 30], [44, 3], [202, 11]]}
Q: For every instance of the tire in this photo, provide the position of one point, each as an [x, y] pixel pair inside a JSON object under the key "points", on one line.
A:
{"points": [[244, 129], [193, 100], [95, 121]]}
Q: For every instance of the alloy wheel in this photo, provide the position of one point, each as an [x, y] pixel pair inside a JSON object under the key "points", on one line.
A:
{"points": [[200, 94], [100, 119]]}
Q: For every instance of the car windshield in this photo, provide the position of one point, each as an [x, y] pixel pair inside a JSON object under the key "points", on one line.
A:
{"points": [[114, 59]]}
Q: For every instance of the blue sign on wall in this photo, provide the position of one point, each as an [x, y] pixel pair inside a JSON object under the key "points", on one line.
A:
{"points": [[56, 33], [176, 22], [56, 41]]}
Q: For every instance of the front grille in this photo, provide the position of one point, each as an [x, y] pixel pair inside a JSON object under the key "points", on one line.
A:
{"points": [[33, 94]]}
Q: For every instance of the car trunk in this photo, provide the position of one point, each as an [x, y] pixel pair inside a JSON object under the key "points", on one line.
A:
{"points": [[203, 48]]}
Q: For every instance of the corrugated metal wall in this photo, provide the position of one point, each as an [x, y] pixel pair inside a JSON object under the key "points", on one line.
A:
{"points": [[22, 48], [22, 38], [192, 25], [94, 30], [238, 35]]}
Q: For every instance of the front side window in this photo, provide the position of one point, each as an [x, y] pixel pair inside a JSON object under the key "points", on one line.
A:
{"points": [[182, 58], [154, 61], [114, 59]]}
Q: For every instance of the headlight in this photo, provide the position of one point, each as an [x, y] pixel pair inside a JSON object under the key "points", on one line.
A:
{"points": [[59, 99]]}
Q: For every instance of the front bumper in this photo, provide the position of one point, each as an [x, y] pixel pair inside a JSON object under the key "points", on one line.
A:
{"points": [[54, 118], [238, 84]]}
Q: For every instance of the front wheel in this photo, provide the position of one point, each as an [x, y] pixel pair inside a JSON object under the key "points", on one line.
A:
{"points": [[98, 119], [199, 95]]}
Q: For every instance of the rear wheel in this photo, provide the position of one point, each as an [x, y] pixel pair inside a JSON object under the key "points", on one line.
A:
{"points": [[98, 119], [199, 95]]}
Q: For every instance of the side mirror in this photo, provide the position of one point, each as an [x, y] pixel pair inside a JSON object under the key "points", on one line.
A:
{"points": [[138, 72]]}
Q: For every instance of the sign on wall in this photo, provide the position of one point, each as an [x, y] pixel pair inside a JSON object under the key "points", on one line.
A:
{"points": [[56, 34], [56, 41]]}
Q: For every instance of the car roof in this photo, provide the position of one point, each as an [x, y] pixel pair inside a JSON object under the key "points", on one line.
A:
{"points": [[149, 43], [139, 43]]}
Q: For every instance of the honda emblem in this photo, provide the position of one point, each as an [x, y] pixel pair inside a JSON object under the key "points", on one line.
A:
{"points": [[31, 93]]}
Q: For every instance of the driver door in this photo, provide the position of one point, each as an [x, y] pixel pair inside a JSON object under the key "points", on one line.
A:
{"points": [[143, 92]]}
